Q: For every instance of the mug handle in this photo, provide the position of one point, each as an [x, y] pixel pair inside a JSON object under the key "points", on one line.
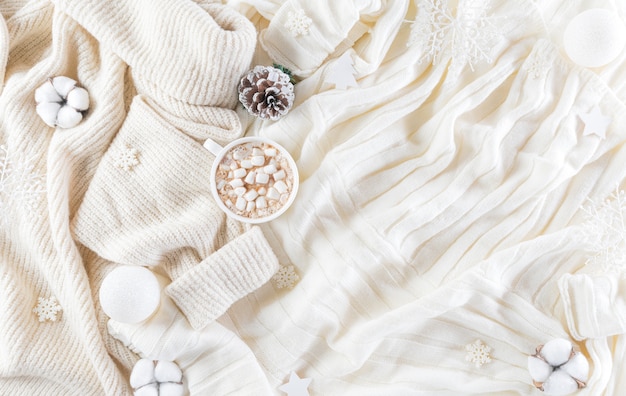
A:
{"points": [[212, 146]]}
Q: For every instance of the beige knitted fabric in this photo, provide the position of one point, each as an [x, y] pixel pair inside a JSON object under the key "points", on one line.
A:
{"points": [[129, 185]]}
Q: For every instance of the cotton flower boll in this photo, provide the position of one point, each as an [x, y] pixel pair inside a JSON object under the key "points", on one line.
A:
{"points": [[130, 294], [594, 37], [560, 383], [159, 378], [165, 371], [60, 102], [143, 373], [539, 370], [557, 351], [557, 369]]}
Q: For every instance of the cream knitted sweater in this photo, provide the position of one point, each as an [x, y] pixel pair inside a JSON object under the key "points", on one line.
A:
{"points": [[73, 214]]}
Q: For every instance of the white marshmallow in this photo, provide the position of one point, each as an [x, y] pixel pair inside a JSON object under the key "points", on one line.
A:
{"points": [[130, 294], [251, 195], [246, 164], [262, 178], [261, 203], [240, 204], [273, 194], [239, 191], [279, 175], [250, 177], [236, 183], [270, 169], [239, 173], [257, 152], [270, 152], [250, 206], [258, 160], [262, 191], [280, 186]]}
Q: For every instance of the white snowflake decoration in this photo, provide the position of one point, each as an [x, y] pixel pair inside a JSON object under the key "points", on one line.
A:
{"points": [[285, 277], [478, 353], [298, 23], [47, 309], [465, 34], [604, 232], [21, 187], [127, 159]]}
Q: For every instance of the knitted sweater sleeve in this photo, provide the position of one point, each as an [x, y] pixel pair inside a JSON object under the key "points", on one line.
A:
{"points": [[149, 201]]}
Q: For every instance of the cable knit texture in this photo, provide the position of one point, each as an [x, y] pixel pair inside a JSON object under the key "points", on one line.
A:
{"points": [[129, 185]]}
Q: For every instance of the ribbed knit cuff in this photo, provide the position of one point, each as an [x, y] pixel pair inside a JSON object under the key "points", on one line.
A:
{"points": [[211, 287], [594, 305], [329, 23]]}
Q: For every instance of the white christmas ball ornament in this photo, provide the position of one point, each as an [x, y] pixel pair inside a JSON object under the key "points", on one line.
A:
{"points": [[130, 294], [60, 102], [557, 369], [594, 37]]}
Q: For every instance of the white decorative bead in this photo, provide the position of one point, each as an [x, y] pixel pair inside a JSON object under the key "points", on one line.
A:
{"points": [[594, 37], [130, 294]]}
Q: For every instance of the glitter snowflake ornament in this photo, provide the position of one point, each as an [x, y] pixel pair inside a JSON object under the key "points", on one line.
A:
{"points": [[478, 353], [286, 277], [21, 187], [604, 233], [463, 35], [298, 23], [47, 309]]}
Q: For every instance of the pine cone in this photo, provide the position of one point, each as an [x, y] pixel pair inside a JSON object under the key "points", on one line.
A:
{"points": [[266, 92]]}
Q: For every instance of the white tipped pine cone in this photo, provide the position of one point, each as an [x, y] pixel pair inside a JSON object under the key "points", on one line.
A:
{"points": [[61, 103], [266, 92], [557, 369]]}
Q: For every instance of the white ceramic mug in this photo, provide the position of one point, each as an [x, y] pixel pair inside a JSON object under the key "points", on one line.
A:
{"points": [[221, 152]]}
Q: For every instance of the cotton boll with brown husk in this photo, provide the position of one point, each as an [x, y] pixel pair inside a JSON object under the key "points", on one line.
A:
{"points": [[61, 102], [557, 369]]}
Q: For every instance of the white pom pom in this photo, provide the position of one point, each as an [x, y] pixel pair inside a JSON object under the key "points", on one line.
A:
{"points": [[48, 112], [171, 389], [68, 117], [577, 367], [142, 374], [594, 37], [560, 383], [63, 85], [538, 369], [557, 351], [148, 390], [78, 98], [130, 294], [47, 93], [167, 372]]}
